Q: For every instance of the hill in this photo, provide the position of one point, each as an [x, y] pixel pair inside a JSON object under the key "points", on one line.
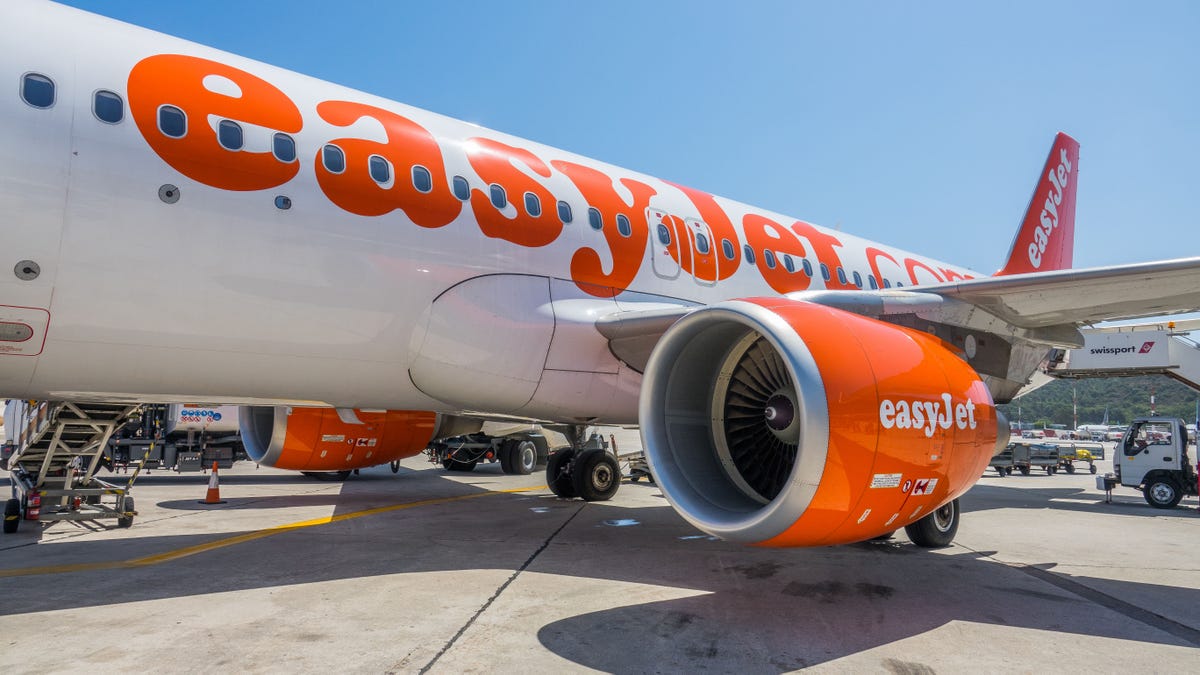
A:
{"points": [[1125, 397]]}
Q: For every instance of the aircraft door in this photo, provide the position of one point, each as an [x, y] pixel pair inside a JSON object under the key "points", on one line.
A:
{"points": [[704, 253], [665, 242]]}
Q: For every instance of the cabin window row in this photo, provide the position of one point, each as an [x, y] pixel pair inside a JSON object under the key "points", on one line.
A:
{"points": [[39, 91]]}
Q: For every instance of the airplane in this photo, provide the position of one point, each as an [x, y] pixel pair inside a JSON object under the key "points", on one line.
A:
{"points": [[334, 260]]}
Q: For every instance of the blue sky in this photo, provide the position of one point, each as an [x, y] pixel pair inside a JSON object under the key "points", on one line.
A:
{"points": [[922, 125]]}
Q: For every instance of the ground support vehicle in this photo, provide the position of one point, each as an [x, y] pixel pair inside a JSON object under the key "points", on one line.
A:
{"points": [[1153, 458], [518, 454], [1079, 452], [56, 449], [1028, 455], [1003, 461]]}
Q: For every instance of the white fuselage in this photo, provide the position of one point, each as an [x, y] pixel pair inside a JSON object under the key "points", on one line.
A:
{"points": [[223, 297]]}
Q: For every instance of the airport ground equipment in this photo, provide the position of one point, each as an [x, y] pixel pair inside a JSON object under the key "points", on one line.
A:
{"points": [[1071, 453], [1003, 461], [518, 454], [56, 449], [1028, 455], [1153, 458], [1164, 348], [179, 437]]}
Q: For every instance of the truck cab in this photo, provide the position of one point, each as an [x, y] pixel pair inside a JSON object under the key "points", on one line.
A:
{"points": [[1152, 456]]}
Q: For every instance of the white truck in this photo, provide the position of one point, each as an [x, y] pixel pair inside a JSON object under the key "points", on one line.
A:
{"points": [[1153, 457]]}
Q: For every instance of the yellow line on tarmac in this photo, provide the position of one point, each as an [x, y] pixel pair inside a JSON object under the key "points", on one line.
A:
{"points": [[242, 538]]}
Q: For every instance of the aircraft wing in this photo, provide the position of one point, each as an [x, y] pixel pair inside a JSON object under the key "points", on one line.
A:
{"points": [[1083, 296], [1040, 300]]}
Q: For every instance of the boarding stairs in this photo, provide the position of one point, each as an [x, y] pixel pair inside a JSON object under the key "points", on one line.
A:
{"points": [[57, 447]]}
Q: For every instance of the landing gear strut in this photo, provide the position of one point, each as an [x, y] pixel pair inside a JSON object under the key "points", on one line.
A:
{"points": [[587, 469]]}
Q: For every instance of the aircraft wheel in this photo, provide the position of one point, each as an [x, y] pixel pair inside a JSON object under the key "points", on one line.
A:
{"points": [[937, 529], [126, 521], [596, 475], [1070, 468], [12, 515], [523, 457], [1162, 493], [558, 474]]}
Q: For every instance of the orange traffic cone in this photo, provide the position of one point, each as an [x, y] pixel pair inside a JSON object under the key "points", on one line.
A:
{"points": [[214, 489]]}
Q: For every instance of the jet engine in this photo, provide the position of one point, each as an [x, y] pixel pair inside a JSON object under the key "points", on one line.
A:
{"points": [[326, 440], [784, 423]]}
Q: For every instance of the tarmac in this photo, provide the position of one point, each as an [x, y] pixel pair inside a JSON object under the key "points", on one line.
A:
{"points": [[429, 571]]}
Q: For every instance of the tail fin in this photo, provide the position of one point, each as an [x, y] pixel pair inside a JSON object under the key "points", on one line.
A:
{"points": [[1046, 240]]}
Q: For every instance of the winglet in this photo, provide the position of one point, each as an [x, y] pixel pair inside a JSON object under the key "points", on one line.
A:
{"points": [[1046, 240]]}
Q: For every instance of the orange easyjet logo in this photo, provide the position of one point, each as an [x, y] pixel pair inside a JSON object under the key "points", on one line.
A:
{"points": [[200, 99]]}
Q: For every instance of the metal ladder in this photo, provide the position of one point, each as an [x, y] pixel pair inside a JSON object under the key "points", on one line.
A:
{"points": [[58, 448]]}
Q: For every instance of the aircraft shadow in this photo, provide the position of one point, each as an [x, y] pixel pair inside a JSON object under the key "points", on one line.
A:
{"points": [[758, 610]]}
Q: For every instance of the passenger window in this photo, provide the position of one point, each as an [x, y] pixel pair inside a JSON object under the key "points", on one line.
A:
{"points": [[229, 135], [37, 90], [333, 158], [284, 148], [886, 283], [664, 235], [788, 263], [108, 107], [899, 285], [749, 253], [380, 169], [825, 271], [499, 198], [807, 268], [728, 249], [462, 189], [858, 279], [842, 276], [172, 121], [702, 244], [422, 179], [533, 205], [595, 219], [871, 280], [564, 212], [623, 225], [769, 257]]}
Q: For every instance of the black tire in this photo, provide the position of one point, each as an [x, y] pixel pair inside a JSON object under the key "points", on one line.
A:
{"points": [[1162, 493], [12, 515], [506, 452], [1000, 470], [1049, 470], [937, 529], [1070, 468], [1024, 470], [395, 466], [523, 457], [558, 474], [126, 521], [596, 475], [455, 465], [1092, 468]]}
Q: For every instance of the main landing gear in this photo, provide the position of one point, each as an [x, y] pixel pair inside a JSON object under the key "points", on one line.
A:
{"points": [[586, 469], [937, 529]]}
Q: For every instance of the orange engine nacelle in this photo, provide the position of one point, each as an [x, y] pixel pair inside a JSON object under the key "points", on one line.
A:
{"points": [[319, 439], [784, 423]]}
